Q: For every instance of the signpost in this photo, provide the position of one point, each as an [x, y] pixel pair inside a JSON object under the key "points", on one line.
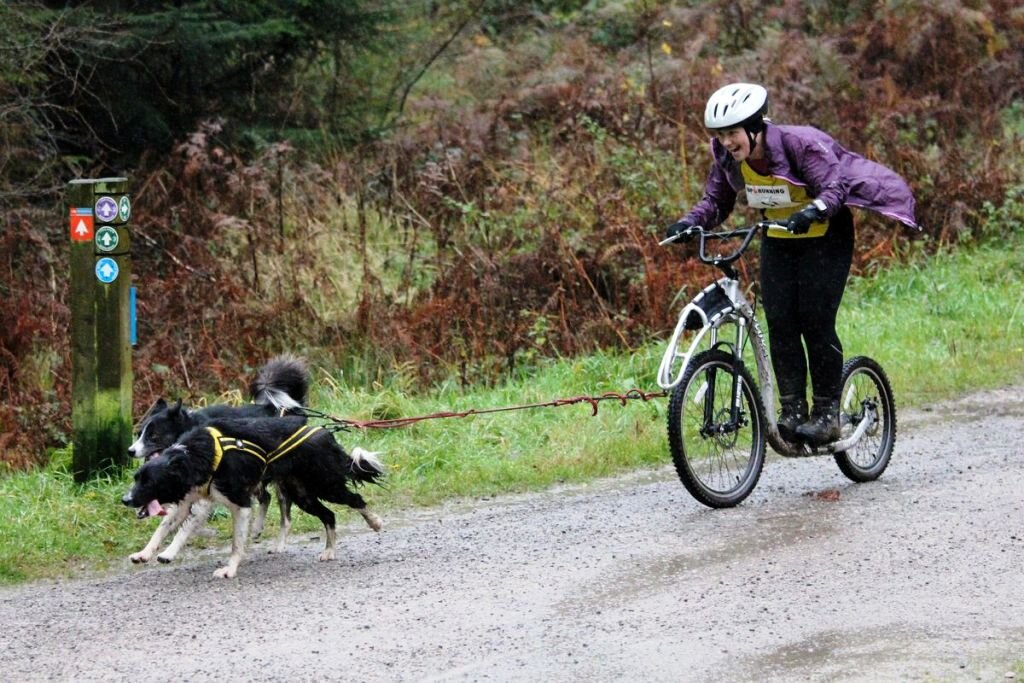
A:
{"points": [[101, 320]]}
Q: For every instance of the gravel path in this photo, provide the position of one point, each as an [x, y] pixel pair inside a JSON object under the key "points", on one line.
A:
{"points": [[915, 577]]}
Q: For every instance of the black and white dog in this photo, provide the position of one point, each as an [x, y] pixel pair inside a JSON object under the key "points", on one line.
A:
{"points": [[280, 387], [226, 460]]}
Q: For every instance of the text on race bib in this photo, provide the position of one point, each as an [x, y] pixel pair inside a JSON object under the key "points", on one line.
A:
{"points": [[768, 196]]}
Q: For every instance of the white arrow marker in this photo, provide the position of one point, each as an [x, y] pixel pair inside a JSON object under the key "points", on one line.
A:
{"points": [[81, 228], [106, 239], [106, 270]]}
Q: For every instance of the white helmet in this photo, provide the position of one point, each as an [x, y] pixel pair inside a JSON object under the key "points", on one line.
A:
{"points": [[735, 105]]}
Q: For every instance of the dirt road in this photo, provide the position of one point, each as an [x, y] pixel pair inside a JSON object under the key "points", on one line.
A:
{"points": [[919, 576]]}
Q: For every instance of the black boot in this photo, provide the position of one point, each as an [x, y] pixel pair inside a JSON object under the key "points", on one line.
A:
{"points": [[823, 427], [793, 414]]}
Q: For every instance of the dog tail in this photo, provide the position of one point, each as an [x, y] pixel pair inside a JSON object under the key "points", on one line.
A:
{"points": [[366, 466], [283, 383]]}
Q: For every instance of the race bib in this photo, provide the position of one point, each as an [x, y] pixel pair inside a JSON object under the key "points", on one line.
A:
{"points": [[769, 196]]}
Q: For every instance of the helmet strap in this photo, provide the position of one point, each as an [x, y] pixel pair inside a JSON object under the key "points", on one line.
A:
{"points": [[752, 127]]}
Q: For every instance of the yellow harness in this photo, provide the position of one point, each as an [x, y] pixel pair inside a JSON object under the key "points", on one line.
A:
{"points": [[222, 444]]}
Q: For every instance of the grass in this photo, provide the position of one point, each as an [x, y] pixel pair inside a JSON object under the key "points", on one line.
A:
{"points": [[942, 325], [515, 451]]}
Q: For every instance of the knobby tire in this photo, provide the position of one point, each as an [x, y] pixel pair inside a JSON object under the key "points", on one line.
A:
{"points": [[864, 380], [719, 470]]}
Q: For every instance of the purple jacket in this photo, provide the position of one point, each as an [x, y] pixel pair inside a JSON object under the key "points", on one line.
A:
{"points": [[808, 157]]}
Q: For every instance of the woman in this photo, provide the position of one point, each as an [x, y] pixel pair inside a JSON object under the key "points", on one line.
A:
{"points": [[800, 176]]}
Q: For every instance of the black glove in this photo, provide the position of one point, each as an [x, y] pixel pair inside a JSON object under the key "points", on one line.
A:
{"points": [[684, 230], [800, 222]]}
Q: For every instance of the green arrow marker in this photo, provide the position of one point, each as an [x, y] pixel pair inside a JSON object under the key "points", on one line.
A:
{"points": [[106, 238]]}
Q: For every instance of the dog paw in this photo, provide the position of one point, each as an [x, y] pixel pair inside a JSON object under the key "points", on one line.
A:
{"points": [[224, 573], [327, 555], [164, 559], [375, 522], [139, 558]]}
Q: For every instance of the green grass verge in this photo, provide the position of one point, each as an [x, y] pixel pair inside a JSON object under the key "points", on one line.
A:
{"points": [[940, 326]]}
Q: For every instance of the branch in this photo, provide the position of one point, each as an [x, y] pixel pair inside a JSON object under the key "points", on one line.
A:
{"points": [[434, 57]]}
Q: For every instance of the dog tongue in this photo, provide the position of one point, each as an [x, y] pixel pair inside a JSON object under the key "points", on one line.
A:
{"points": [[155, 509]]}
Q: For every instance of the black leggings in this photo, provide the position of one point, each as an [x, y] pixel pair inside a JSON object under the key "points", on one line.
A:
{"points": [[802, 284]]}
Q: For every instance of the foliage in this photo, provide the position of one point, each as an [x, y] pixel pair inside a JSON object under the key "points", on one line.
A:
{"points": [[155, 71], [449, 190], [507, 18], [592, 149], [954, 310], [31, 43]]}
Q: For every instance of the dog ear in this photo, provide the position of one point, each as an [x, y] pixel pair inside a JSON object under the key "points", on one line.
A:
{"points": [[175, 409], [159, 405]]}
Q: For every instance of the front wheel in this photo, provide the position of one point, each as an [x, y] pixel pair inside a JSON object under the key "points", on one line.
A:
{"points": [[866, 394], [718, 452]]}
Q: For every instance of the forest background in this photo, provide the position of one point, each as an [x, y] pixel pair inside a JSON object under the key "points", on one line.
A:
{"points": [[427, 191]]}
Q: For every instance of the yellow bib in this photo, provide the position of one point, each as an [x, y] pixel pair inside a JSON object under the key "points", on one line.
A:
{"points": [[778, 199]]}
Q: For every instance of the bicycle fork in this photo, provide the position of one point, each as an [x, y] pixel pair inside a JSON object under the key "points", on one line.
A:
{"points": [[736, 411], [736, 414]]}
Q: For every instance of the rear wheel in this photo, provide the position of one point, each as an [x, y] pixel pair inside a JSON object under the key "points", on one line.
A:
{"points": [[866, 395], [718, 459]]}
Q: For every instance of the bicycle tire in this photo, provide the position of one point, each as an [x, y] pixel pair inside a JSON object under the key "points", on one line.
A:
{"points": [[865, 382], [689, 438]]}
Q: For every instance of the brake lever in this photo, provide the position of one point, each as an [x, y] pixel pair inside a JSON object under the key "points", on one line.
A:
{"points": [[691, 232]]}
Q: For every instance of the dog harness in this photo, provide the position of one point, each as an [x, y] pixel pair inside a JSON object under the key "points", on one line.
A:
{"points": [[223, 444]]}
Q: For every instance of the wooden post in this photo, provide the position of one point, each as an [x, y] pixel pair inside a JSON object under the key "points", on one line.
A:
{"points": [[100, 286]]}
